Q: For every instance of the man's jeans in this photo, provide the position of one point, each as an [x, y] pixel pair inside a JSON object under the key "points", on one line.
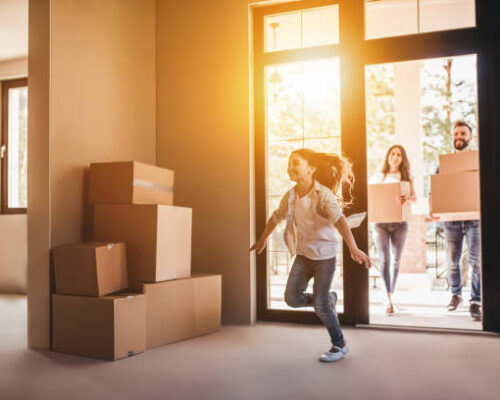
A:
{"points": [[455, 232], [303, 270], [390, 236]]}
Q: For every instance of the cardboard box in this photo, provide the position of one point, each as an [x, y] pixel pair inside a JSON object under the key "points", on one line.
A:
{"points": [[456, 197], [110, 327], [467, 160], [382, 203], [90, 269], [158, 238], [182, 308], [130, 182]]}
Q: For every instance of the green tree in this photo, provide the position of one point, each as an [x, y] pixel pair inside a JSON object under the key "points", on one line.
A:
{"points": [[379, 114]]}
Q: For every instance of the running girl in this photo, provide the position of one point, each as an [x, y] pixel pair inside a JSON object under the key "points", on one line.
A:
{"points": [[312, 211]]}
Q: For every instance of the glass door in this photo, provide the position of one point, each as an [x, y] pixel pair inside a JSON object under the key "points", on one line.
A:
{"points": [[312, 60], [298, 75]]}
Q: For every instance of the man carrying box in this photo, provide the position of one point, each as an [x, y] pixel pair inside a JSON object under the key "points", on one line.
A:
{"points": [[455, 231]]}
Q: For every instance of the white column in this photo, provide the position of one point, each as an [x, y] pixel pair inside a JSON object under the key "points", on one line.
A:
{"points": [[407, 117]]}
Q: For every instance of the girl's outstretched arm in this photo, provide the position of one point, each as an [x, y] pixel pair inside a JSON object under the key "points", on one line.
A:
{"points": [[278, 215], [260, 245], [356, 254]]}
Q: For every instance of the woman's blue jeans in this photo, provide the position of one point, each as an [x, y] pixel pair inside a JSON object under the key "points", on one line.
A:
{"points": [[390, 239], [455, 232], [303, 269]]}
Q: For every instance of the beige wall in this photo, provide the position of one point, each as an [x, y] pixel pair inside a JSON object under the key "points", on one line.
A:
{"points": [[13, 253], [16, 68], [13, 235], [204, 135], [101, 67], [103, 97]]}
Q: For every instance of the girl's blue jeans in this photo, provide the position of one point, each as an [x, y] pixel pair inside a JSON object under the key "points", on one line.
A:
{"points": [[390, 239], [303, 269]]}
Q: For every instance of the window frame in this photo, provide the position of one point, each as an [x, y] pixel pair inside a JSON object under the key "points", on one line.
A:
{"points": [[6, 85]]}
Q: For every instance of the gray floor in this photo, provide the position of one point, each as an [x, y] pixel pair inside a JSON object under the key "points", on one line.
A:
{"points": [[266, 361]]}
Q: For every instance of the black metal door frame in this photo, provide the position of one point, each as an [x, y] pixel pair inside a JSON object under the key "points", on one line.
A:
{"points": [[355, 53]]}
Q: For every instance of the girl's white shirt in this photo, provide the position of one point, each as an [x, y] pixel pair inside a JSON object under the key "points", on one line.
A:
{"points": [[316, 237], [324, 204]]}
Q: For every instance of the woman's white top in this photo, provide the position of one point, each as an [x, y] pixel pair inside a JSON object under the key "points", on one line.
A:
{"points": [[316, 238], [390, 177]]}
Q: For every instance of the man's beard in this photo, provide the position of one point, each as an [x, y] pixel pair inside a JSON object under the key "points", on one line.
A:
{"points": [[460, 144]]}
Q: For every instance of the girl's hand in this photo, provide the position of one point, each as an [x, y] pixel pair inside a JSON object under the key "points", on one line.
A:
{"points": [[258, 247], [360, 257]]}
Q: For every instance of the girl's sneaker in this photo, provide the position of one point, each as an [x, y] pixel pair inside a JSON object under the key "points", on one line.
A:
{"points": [[335, 353]]}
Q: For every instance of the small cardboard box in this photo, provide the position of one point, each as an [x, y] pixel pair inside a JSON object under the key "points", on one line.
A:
{"points": [[158, 238], [456, 197], [110, 327], [467, 160], [130, 182], [182, 308], [90, 269], [383, 205]]}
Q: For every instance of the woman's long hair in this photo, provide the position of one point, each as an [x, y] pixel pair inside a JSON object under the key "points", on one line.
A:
{"points": [[332, 171], [404, 167]]}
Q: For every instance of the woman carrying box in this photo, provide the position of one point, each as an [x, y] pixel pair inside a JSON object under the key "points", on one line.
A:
{"points": [[392, 235], [312, 212]]}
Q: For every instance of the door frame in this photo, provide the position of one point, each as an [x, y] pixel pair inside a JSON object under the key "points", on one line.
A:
{"points": [[355, 53]]}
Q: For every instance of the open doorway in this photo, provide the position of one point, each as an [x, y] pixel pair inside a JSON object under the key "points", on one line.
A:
{"points": [[415, 104]]}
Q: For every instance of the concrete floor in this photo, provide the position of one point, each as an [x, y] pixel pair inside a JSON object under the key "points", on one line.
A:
{"points": [[265, 361], [419, 302]]}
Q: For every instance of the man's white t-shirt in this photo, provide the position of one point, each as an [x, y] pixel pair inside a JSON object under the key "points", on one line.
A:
{"points": [[316, 237]]}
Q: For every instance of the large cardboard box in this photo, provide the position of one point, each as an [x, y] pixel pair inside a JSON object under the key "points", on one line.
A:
{"points": [[130, 182], [90, 269], [467, 160], [158, 238], [110, 327], [182, 308], [383, 205], [455, 197]]}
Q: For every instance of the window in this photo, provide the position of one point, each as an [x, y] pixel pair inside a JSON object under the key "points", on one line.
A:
{"points": [[300, 107], [14, 150], [303, 28], [385, 18], [302, 110]]}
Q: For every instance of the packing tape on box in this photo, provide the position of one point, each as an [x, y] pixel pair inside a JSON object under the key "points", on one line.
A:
{"points": [[152, 185]]}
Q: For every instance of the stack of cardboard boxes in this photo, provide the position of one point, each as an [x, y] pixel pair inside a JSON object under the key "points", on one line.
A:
{"points": [[133, 204], [455, 189], [88, 317]]}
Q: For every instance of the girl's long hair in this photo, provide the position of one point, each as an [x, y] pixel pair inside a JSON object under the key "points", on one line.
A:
{"points": [[404, 167], [332, 171]]}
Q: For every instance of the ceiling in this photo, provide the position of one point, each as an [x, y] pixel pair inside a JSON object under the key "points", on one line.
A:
{"points": [[13, 29]]}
